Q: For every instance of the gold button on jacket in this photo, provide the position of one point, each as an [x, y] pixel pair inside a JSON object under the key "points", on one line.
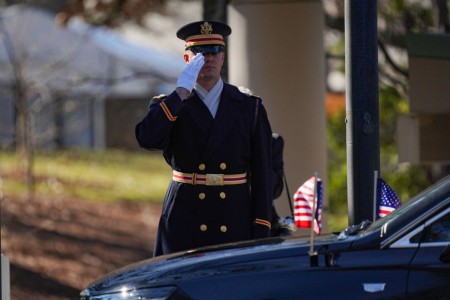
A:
{"points": [[223, 228]]}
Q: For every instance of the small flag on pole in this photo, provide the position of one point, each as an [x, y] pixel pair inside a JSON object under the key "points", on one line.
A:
{"points": [[304, 205], [387, 200]]}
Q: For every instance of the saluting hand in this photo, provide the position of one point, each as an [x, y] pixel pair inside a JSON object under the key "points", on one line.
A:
{"points": [[189, 75]]}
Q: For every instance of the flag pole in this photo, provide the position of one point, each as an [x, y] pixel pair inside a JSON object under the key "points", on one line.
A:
{"points": [[375, 178], [312, 254]]}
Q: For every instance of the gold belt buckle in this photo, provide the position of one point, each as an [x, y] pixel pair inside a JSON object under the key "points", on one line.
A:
{"points": [[214, 179]]}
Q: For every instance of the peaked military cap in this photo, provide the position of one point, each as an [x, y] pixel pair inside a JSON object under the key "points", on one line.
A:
{"points": [[204, 33]]}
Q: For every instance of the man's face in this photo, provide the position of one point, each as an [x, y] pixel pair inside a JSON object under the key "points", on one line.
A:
{"points": [[212, 67]]}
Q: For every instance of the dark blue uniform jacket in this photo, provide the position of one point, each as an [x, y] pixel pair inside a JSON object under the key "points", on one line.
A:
{"points": [[237, 140]]}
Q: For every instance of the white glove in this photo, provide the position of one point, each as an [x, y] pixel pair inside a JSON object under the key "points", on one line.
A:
{"points": [[189, 75]]}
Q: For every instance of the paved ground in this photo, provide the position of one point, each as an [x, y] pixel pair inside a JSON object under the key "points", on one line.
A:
{"points": [[57, 246]]}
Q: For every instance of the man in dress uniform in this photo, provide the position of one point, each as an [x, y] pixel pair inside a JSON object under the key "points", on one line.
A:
{"points": [[218, 142]]}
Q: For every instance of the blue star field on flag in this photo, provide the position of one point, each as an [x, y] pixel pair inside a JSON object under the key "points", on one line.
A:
{"points": [[387, 200]]}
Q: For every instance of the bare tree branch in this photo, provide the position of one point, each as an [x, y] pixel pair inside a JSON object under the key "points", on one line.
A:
{"points": [[390, 61]]}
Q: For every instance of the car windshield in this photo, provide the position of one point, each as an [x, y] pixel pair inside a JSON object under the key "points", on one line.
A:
{"points": [[414, 203]]}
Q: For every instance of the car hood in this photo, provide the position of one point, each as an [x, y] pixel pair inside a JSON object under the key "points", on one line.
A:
{"points": [[170, 269]]}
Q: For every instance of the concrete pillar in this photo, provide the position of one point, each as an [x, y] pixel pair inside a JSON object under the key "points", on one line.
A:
{"points": [[276, 50]]}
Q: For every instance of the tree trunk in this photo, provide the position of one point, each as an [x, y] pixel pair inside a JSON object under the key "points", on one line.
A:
{"points": [[24, 143]]}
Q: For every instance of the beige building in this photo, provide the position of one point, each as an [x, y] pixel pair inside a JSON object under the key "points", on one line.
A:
{"points": [[424, 135]]}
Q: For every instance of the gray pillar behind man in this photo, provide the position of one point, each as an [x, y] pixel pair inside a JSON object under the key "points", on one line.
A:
{"points": [[276, 50]]}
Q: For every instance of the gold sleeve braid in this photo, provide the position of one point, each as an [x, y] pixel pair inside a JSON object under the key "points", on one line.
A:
{"points": [[167, 112], [263, 222]]}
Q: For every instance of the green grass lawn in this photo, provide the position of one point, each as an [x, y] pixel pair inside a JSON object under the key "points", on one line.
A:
{"points": [[90, 175], [110, 175]]}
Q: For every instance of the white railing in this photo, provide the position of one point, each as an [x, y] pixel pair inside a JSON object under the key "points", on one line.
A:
{"points": [[5, 278]]}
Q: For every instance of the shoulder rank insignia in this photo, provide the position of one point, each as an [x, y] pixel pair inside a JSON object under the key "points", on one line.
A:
{"points": [[162, 96]]}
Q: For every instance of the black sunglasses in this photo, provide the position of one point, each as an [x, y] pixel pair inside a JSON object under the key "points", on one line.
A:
{"points": [[206, 49]]}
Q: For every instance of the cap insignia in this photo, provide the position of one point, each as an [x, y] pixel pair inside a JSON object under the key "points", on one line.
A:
{"points": [[206, 28]]}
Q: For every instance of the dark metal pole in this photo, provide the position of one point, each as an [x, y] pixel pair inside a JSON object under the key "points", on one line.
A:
{"points": [[362, 114], [217, 11]]}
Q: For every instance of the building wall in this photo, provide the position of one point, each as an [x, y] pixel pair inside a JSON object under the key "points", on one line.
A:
{"points": [[423, 134], [121, 117]]}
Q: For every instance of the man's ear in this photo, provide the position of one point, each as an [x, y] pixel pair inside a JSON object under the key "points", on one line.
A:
{"points": [[186, 58]]}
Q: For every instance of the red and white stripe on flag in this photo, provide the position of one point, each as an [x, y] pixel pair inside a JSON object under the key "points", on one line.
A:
{"points": [[384, 211], [303, 205]]}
